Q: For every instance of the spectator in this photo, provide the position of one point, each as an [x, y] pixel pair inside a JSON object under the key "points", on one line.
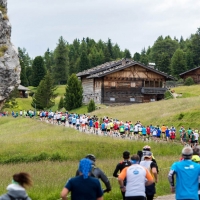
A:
{"points": [[16, 190]]}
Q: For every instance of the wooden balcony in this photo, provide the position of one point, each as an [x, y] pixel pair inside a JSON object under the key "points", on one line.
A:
{"points": [[153, 90]]}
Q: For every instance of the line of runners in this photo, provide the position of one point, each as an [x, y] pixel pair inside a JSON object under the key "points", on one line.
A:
{"points": [[115, 128]]}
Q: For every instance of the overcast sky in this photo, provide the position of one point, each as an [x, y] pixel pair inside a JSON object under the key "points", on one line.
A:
{"points": [[133, 24]]}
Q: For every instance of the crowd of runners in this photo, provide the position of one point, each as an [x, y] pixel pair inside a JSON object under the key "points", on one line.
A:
{"points": [[107, 126]]}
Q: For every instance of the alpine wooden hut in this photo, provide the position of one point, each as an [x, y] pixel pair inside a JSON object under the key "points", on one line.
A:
{"points": [[193, 73], [123, 82], [23, 91]]}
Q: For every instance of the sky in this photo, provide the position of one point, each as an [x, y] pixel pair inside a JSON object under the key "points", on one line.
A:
{"points": [[132, 24]]}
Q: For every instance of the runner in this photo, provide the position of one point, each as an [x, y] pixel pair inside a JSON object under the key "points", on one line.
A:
{"points": [[153, 169], [136, 179], [163, 129], [120, 166]]}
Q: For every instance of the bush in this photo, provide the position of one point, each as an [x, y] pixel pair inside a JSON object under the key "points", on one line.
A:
{"points": [[3, 49], [189, 81], [181, 115], [180, 81], [168, 95], [91, 106]]}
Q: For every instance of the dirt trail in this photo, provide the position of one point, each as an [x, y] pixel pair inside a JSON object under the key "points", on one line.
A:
{"points": [[166, 197]]}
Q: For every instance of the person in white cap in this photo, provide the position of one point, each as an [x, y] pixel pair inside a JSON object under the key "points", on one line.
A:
{"points": [[153, 169]]}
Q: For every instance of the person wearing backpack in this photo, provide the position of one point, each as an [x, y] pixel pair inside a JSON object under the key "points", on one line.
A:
{"points": [[120, 166], [16, 190], [98, 173]]}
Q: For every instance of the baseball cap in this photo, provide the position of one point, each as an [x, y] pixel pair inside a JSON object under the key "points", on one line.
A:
{"points": [[195, 158], [147, 148], [148, 154]]}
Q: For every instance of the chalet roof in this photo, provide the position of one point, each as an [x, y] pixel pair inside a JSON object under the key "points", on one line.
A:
{"points": [[21, 87], [189, 71], [115, 66]]}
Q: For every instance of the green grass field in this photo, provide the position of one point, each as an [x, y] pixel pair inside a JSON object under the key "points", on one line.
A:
{"points": [[51, 153]]}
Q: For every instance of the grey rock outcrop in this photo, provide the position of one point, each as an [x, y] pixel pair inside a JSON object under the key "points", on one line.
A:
{"points": [[9, 61]]}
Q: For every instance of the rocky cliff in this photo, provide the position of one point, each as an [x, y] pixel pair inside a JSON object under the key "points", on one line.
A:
{"points": [[9, 61]]}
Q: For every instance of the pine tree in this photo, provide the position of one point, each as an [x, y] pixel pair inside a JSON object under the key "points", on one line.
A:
{"points": [[74, 93], [23, 78], [136, 56], [24, 56], [178, 63], [11, 100], [39, 70], [163, 63], [189, 60], [91, 106], [45, 95], [84, 60], [61, 67], [117, 54], [29, 75], [110, 48], [127, 53], [48, 60], [144, 57], [195, 48]]}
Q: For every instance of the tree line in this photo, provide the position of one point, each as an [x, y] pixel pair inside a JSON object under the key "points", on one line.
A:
{"points": [[172, 56], [55, 67]]}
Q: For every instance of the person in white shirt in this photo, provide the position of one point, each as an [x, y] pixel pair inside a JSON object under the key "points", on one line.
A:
{"points": [[196, 136]]}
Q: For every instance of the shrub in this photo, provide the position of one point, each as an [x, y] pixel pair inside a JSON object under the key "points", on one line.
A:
{"points": [[168, 95], [3, 49], [91, 105], [180, 81], [181, 115], [31, 93], [189, 81]]}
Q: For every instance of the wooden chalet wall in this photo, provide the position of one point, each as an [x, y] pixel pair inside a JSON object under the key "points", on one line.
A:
{"points": [[194, 74], [134, 84], [91, 89]]}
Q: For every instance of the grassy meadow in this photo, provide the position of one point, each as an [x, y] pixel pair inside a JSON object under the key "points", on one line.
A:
{"points": [[51, 153]]}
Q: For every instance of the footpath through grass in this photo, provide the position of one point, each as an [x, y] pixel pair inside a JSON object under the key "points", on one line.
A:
{"points": [[51, 154]]}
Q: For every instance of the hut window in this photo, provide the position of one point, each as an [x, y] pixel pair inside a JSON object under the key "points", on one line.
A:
{"points": [[132, 84], [106, 83], [113, 84], [152, 100], [151, 83], [112, 99], [132, 99]]}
